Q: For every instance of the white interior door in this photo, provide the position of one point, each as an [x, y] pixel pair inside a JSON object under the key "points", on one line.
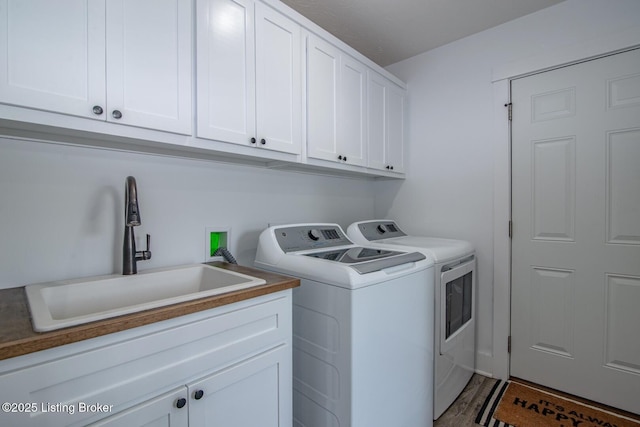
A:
{"points": [[576, 242]]}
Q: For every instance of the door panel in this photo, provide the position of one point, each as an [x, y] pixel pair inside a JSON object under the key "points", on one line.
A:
{"points": [[576, 241], [623, 203]]}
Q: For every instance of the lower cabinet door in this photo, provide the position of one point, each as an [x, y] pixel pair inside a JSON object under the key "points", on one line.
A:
{"points": [[168, 410], [251, 393]]}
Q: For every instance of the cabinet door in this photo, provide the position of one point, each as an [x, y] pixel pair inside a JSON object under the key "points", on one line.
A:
{"points": [[377, 121], [163, 411], [52, 55], [396, 110], [225, 70], [322, 99], [278, 81], [352, 113], [256, 392], [149, 64], [386, 109]]}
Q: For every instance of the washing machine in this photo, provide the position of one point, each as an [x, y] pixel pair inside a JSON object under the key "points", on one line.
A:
{"points": [[361, 322], [454, 298]]}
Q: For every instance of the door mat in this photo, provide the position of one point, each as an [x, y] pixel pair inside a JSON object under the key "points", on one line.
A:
{"points": [[514, 404]]}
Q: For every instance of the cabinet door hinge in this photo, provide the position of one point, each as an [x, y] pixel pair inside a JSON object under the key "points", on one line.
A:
{"points": [[509, 110], [509, 344], [510, 229]]}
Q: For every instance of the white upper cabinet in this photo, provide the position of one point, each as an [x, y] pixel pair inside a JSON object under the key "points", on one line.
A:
{"points": [[336, 105], [396, 112], [278, 81], [249, 89], [225, 82], [323, 74], [386, 124], [125, 61], [352, 112], [53, 55], [149, 63], [270, 85]]}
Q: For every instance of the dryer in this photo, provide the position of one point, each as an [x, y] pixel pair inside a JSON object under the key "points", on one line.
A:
{"points": [[454, 302], [361, 323]]}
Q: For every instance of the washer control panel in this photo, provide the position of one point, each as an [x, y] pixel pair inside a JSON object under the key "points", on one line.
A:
{"points": [[312, 236]]}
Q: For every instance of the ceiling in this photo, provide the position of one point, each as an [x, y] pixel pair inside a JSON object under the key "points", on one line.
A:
{"points": [[388, 31]]}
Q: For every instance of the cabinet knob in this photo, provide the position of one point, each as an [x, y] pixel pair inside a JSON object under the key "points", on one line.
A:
{"points": [[198, 394], [391, 167], [253, 140], [116, 114], [263, 141], [340, 157], [345, 158], [97, 110], [181, 402]]}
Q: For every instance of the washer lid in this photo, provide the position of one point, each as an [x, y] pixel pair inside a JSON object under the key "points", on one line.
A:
{"points": [[367, 260]]}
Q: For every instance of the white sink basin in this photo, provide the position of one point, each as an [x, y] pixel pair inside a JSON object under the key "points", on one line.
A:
{"points": [[66, 303]]}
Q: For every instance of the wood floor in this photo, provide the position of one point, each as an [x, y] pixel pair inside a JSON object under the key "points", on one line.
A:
{"points": [[466, 407]]}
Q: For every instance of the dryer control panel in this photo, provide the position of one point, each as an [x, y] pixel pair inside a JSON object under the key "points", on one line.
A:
{"points": [[376, 230], [311, 236]]}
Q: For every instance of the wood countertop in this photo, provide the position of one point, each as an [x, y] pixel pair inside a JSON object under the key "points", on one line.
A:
{"points": [[17, 336]]}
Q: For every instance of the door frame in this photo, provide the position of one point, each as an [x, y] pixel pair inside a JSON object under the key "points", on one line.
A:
{"points": [[501, 85]]}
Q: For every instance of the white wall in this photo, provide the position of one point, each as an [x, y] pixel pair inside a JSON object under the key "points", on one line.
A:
{"points": [[62, 208], [449, 190]]}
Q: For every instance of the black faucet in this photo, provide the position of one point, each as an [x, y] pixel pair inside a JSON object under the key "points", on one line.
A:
{"points": [[130, 256]]}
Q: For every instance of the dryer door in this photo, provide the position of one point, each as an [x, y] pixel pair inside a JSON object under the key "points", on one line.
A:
{"points": [[457, 302]]}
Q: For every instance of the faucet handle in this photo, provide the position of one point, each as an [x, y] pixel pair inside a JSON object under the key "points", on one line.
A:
{"points": [[146, 254]]}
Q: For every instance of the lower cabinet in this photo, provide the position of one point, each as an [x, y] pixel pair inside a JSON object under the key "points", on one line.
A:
{"points": [[230, 366], [246, 394], [169, 409]]}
